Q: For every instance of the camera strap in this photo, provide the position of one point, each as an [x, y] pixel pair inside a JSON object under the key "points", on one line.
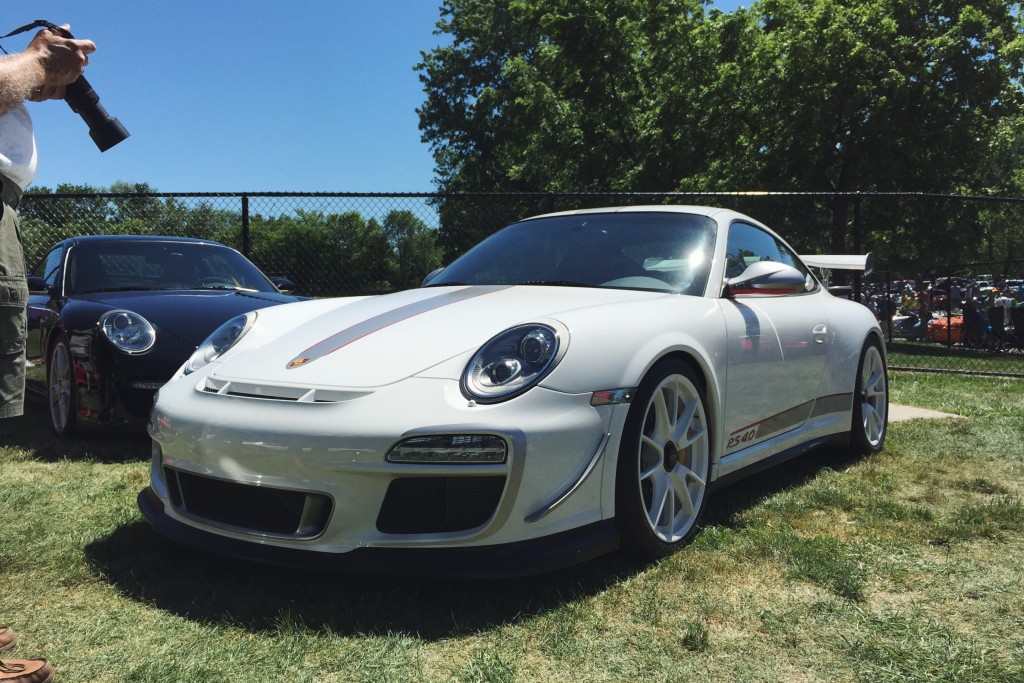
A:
{"points": [[38, 23]]}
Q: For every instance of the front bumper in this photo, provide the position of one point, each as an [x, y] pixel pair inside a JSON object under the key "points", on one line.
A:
{"points": [[520, 558], [311, 480]]}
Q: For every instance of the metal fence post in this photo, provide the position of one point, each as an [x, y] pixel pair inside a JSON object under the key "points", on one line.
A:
{"points": [[246, 246], [949, 313], [857, 247], [885, 317]]}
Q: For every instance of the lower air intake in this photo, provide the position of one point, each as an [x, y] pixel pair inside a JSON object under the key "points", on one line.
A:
{"points": [[431, 505], [259, 509]]}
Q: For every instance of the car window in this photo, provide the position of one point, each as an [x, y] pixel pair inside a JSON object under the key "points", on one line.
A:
{"points": [[48, 267], [155, 265], [749, 244], [660, 251]]}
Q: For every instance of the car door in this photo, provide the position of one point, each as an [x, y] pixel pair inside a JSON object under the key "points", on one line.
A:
{"points": [[777, 346], [43, 311]]}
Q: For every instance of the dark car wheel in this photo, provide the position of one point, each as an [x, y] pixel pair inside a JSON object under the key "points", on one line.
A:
{"points": [[62, 395], [870, 401], [664, 461]]}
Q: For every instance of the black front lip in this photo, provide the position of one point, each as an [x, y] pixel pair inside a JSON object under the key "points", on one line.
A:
{"points": [[521, 558]]}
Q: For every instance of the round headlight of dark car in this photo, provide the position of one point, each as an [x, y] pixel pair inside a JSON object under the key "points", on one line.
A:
{"points": [[218, 343], [512, 362], [127, 331]]}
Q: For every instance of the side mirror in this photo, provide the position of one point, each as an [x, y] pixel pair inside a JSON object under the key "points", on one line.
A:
{"points": [[283, 284], [766, 278], [431, 275], [37, 285]]}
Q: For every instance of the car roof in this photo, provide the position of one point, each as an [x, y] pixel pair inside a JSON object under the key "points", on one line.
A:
{"points": [[88, 239], [652, 208]]}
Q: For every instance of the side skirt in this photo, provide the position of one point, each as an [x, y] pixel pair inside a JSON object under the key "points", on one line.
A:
{"points": [[841, 440]]}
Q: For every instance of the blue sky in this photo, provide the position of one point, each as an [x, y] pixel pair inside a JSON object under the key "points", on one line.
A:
{"points": [[296, 95]]}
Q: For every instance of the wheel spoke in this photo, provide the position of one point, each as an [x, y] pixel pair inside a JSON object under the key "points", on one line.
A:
{"points": [[682, 492], [649, 442], [659, 498], [684, 423], [693, 438], [651, 457], [687, 475], [668, 513], [866, 419], [875, 386], [873, 423], [662, 421], [647, 473]]}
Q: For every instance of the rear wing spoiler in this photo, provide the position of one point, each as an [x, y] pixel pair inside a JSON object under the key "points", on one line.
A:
{"points": [[865, 263]]}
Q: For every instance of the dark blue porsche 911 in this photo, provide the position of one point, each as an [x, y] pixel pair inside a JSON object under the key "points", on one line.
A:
{"points": [[112, 317]]}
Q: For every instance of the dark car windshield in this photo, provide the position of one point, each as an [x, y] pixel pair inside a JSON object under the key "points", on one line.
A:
{"points": [[114, 266], [649, 251]]}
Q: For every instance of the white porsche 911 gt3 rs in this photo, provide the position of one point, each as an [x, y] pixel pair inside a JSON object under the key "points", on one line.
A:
{"points": [[575, 383]]}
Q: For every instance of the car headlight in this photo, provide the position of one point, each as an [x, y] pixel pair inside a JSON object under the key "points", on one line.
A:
{"points": [[127, 331], [512, 362], [219, 341]]}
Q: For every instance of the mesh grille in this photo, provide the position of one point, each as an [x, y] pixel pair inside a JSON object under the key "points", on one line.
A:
{"points": [[256, 508], [426, 505]]}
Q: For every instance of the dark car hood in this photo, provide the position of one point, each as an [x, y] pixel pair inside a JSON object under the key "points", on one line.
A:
{"points": [[189, 315]]}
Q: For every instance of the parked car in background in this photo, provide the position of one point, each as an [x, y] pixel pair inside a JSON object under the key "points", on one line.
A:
{"points": [[112, 317], [575, 383]]}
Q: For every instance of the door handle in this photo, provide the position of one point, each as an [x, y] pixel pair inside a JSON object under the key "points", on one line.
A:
{"points": [[820, 332]]}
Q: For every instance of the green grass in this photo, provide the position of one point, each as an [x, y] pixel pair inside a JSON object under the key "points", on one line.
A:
{"points": [[903, 566]]}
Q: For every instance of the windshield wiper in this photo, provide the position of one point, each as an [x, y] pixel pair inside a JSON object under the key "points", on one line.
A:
{"points": [[119, 289], [555, 283], [235, 288]]}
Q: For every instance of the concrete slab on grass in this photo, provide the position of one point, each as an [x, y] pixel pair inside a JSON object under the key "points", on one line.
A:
{"points": [[899, 413]]}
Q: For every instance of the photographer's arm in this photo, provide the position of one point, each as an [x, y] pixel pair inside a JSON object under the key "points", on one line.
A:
{"points": [[39, 73]]}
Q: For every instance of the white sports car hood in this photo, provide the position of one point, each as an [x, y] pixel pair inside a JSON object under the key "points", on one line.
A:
{"points": [[381, 340]]}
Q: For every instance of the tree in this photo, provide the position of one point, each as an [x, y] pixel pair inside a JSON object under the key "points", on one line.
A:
{"points": [[877, 95], [414, 248], [653, 95], [324, 254], [541, 95]]}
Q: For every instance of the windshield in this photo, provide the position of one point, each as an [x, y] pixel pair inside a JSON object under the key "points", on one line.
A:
{"points": [[648, 251], [115, 266]]}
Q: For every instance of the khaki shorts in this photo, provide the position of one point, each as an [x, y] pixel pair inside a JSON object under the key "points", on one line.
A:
{"points": [[13, 316]]}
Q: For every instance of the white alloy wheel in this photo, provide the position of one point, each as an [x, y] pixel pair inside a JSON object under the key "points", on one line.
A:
{"points": [[62, 398], [870, 402], [664, 461]]}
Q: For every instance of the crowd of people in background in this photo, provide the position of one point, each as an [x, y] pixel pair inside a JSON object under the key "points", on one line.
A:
{"points": [[973, 311]]}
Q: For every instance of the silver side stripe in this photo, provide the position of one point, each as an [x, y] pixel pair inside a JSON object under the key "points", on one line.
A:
{"points": [[379, 322]]}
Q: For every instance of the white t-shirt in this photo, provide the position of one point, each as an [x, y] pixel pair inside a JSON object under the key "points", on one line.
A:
{"points": [[1007, 304], [18, 159]]}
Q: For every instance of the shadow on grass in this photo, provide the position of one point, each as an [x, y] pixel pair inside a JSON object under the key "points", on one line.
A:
{"points": [[727, 503], [32, 434], [212, 589]]}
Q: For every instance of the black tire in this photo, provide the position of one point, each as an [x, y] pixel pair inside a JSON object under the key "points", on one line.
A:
{"points": [[870, 401], [62, 395], [664, 461]]}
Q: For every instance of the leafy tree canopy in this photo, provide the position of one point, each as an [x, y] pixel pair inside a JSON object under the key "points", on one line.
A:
{"points": [[673, 95]]}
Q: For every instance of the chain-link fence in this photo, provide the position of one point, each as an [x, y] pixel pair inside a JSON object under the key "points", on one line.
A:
{"points": [[335, 244], [967, 317]]}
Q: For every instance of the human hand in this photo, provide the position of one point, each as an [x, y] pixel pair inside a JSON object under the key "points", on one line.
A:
{"points": [[61, 59], [47, 92]]}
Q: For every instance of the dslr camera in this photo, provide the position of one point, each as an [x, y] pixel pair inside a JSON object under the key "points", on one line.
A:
{"points": [[104, 129]]}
